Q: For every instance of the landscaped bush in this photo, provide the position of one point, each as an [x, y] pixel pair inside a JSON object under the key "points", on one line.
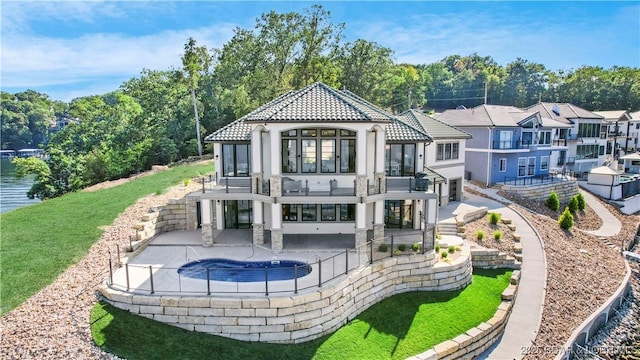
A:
{"points": [[497, 234], [480, 234], [566, 219], [415, 246], [581, 202], [402, 247], [553, 202], [437, 248], [186, 182], [573, 205], [383, 247], [494, 218], [444, 254], [438, 236], [452, 249]]}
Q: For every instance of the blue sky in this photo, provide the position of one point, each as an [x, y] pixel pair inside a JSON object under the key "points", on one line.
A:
{"points": [[71, 49]]}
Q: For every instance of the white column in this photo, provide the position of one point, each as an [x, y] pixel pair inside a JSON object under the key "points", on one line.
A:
{"points": [[256, 150], [361, 153], [276, 152], [205, 212], [379, 151], [361, 216], [276, 216]]}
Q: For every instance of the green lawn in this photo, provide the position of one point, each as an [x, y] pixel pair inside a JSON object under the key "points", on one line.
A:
{"points": [[41, 241], [398, 327]]}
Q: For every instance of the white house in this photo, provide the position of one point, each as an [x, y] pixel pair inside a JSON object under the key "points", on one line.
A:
{"points": [[319, 161], [620, 131], [445, 157]]}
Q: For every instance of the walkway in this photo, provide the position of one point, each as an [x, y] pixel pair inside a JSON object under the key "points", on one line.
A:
{"points": [[526, 316], [522, 326], [611, 226]]}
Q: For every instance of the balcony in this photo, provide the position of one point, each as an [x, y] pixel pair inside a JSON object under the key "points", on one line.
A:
{"points": [[506, 145]]}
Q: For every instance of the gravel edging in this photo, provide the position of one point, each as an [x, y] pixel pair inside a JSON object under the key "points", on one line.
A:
{"points": [[54, 323]]}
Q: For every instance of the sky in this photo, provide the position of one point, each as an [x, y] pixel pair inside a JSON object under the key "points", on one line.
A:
{"points": [[79, 48]]}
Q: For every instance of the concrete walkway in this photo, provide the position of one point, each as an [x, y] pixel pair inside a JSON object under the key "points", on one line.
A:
{"points": [[526, 316], [524, 322], [611, 226]]}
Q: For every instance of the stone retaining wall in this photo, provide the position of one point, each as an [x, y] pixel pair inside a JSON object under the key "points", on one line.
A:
{"points": [[478, 339], [296, 318], [565, 190], [484, 258], [169, 217]]}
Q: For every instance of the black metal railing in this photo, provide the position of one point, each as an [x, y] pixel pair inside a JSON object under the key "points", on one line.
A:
{"points": [[540, 179], [154, 279], [511, 145]]}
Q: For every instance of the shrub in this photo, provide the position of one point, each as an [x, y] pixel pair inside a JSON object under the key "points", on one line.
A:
{"points": [[480, 234], [397, 252], [444, 254], [383, 247], [581, 202], [452, 249], [415, 246], [402, 247], [573, 205], [438, 236], [553, 202], [566, 219], [497, 234], [437, 248], [186, 182], [494, 218], [458, 248]]}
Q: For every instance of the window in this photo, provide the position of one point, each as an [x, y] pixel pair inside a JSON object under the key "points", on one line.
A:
{"points": [[503, 164], [531, 166], [589, 130], [289, 158], [527, 138], [309, 212], [236, 159], [589, 151], [601, 150], [544, 138], [544, 163], [522, 166], [447, 151], [398, 214], [328, 212], [400, 159], [308, 156], [313, 147], [506, 138], [348, 212], [328, 156]]}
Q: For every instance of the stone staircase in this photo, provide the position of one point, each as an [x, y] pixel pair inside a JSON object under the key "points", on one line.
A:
{"points": [[448, 227]]}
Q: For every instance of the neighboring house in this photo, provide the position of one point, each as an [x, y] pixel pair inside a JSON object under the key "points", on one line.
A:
{"points": [[507, 143], [318, 161], [620, 131], [585, 146], [445, 157]]}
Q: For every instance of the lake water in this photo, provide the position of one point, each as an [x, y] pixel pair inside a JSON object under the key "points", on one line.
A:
{"points": [[13, 192]]}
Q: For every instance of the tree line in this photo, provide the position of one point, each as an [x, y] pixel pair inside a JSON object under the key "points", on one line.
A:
{"points": [[159, 116]]}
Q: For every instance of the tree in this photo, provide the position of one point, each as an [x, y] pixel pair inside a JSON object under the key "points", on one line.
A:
{"points": [[365, 66], [566, 219], [195, 60], [553, 202]]}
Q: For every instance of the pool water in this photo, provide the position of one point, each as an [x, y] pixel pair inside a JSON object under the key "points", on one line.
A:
{"points": [[244, 271]]}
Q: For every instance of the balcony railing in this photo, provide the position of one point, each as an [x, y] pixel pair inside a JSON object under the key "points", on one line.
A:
{"points": [[552, 177], [511, 145]]}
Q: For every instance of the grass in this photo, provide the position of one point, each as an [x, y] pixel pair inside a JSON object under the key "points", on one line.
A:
{"points": [[41, 241], [397, 327]]}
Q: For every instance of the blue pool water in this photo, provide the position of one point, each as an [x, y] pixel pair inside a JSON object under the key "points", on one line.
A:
{"points": [[244, 271]]}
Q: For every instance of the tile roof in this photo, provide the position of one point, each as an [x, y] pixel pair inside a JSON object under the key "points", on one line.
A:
{"points": [[484, 115], [614, 115], [321, 104], [432, 174], [566, 112], [318, 102], [434, 128]]}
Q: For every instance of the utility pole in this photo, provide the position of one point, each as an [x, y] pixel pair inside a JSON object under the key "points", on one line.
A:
{"points": [[485, 93]]}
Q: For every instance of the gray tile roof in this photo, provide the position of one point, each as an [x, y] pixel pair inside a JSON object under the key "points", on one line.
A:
{"points": [[318, 102], [433, 175], [566, 112], [434, 128], [322, 104], [495, 116]]}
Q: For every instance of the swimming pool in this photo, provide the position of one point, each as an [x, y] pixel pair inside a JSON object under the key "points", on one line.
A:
{"points": [[244, 271]]}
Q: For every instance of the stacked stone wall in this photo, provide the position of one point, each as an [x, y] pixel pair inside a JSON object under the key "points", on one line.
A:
{"points": [[169, 217], [565, 190], [296, 318]]}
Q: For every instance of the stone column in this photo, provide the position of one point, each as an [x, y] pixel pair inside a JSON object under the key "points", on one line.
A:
{"points": [[258, 234], [361, 185], [276, 186], [191, 213], [361, 238], [428, 237], [276, 240], [378, 231], [207, 235], [379, 183]]}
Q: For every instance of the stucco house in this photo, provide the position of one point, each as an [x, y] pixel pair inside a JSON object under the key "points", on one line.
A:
{"points": [[621, 132], [507, 143], [586, 148], [445, 157], [318, 161]]}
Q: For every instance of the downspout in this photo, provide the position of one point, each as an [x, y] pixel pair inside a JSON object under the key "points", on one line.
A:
{"points": [[489, 155]]}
